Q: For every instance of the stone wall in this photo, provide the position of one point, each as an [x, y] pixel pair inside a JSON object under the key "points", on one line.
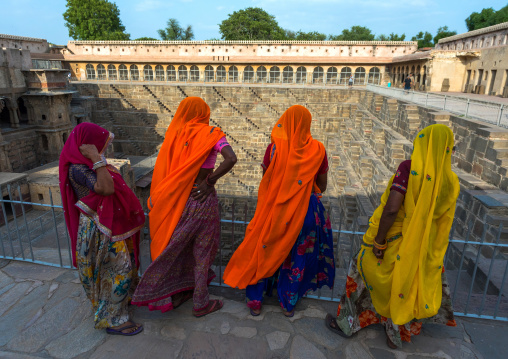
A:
{"points": [[23, 149], [238, 50], [496, 35], [366, 137]]}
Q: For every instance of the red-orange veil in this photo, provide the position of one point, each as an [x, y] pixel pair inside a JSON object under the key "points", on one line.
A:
{"points": [[283, 200], [188, 142]]}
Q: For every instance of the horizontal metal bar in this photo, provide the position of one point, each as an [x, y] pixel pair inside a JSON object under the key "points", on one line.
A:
{"points": [[33, 204], [37, 262], [479, 243], [491, 317]]}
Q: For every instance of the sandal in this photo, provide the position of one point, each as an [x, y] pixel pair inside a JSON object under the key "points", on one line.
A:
{"points": [[182, 298], [290, 314], [253, 313], [331, 323], [119, 331], [389, 342], [212, 306]]}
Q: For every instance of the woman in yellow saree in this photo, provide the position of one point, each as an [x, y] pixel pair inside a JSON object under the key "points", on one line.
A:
{"points": [[398, 279]]}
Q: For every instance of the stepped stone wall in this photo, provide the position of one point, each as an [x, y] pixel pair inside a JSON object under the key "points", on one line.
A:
{"points": [[366, 136]]}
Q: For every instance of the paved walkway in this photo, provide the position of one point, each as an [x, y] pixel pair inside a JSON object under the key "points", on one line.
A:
{"points": [[473, 96], [45, 314]]}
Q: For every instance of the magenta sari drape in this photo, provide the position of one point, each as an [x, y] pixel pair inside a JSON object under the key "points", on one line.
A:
{"points": [[118, 216]]}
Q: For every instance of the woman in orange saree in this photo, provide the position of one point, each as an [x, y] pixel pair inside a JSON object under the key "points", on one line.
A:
{"points": [[184, 212], [289, 240]]}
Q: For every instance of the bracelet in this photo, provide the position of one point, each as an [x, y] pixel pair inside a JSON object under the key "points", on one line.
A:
{"points": [[208, 183], [381, 247], [98, 165]]}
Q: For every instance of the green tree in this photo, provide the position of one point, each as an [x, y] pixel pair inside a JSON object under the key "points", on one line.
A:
{"points": [[310, 36], [487, 17], [356, 33], [94, 20], [174, 31], [391, 37], [424, 39], [443, 32], [252, 23], [289, 35], [146, 39]]}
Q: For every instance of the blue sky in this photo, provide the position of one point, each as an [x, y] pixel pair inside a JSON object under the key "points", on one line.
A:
{"points": [[44, 19]]}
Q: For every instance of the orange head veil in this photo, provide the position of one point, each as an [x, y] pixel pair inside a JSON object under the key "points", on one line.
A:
{"points": [[283, 200], [188, 142]]}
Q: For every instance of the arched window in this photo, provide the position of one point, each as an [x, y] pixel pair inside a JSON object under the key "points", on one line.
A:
{"points": [[101, 72], [374, 76], [233, 74], [112, 75], [332, 75], [194, 73], [301, 75], [159, 73], [424, 79], [418, 74], [360, 76], [287, 75], [209, 73], [134, 73], [412, 70], [182, 73], [261, 74], [248, 74], [221, 74], [90, 72], [318, 75], [123, 72], [171, 73], [345, 73], [274, 74], [148, 73]]}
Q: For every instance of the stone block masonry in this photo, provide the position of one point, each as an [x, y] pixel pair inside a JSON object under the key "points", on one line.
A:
{"points": [[366, 135]]}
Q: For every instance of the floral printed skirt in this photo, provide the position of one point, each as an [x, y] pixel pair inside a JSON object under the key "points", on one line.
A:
{"points": [[356, 310], [184, 265], [309, 266], [108, 273]]}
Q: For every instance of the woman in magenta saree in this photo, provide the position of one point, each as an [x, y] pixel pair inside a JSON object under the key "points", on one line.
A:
{"points": [[103, 217]]}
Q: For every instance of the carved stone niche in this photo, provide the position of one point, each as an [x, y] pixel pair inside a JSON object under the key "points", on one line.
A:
{"points": [[48, 109]]}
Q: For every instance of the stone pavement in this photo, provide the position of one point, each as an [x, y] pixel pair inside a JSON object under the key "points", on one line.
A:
{"points": [[45, 314], [477, 97]]}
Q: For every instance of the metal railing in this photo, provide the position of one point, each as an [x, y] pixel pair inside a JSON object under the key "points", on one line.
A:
{"points": [[493, 113], [477, 270]]}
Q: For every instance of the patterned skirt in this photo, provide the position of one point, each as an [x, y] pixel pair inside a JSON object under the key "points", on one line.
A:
{"points": [[108, 273], [356, 310], [185, 263], [309, 266]]}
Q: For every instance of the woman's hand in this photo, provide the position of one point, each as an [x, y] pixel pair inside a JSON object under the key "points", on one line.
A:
{"points": [[90, 152], [378, 252], [202, 191]]}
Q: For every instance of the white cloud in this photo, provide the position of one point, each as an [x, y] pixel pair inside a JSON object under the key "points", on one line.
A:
{"points": [[220, 8]]}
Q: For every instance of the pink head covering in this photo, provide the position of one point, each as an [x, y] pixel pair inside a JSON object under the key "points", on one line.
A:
{"points": [[118, 216]]}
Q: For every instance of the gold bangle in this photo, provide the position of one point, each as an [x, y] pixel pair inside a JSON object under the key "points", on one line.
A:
{"points": [[381, 247]]}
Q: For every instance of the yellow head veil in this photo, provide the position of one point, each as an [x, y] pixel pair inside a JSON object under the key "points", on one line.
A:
{"points": [[406, 284]]}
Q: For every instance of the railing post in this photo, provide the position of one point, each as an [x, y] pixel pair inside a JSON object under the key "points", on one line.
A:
{"points": [[444, 105], [467, 108], [501, 108], [426, 98]]}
